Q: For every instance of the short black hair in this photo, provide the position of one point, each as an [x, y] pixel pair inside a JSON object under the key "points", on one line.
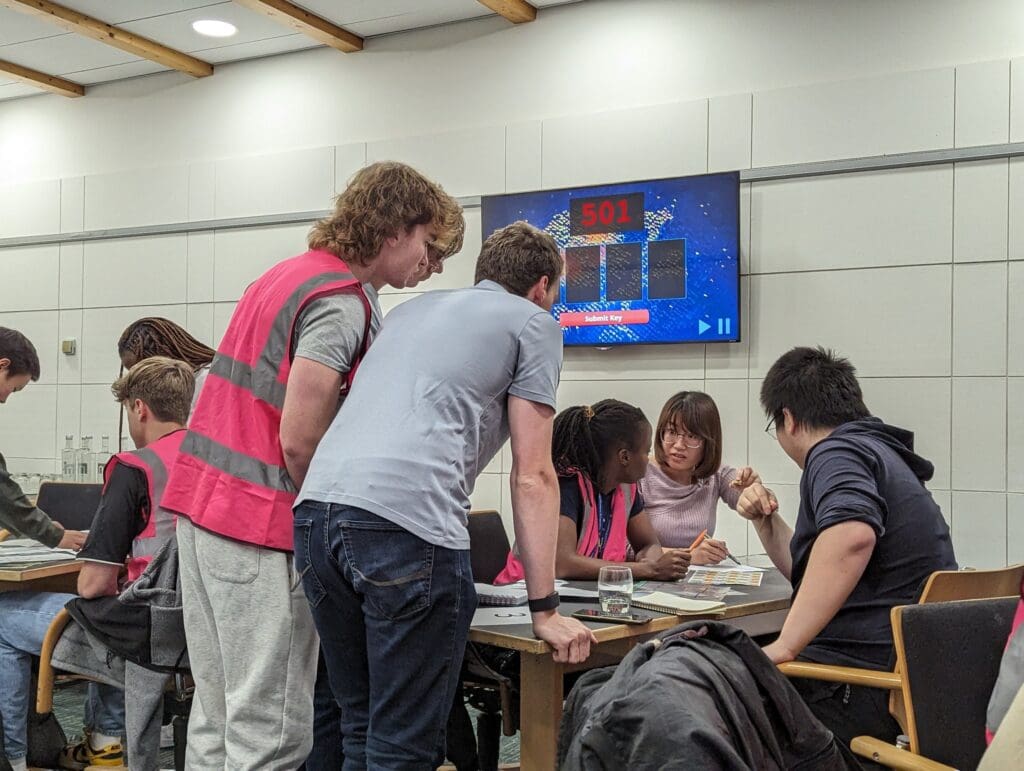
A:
{"points": [[816, 385], [19, 349]]}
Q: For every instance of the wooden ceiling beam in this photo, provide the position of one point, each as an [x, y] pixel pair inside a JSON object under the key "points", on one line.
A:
{"points": [[129, 42], [301, 20], [41, 80], [516, 11]]}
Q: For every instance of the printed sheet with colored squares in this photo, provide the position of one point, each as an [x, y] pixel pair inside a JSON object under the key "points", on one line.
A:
{"points": [[743, 576]]}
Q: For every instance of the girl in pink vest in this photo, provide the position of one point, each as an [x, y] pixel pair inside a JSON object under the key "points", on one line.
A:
{"points": [[600, 452]]}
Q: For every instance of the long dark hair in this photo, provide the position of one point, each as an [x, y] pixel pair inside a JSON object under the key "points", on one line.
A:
{"points": [[585, 436], [155, 336]]}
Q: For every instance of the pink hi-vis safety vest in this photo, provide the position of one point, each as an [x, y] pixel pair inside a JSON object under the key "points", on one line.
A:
{"points": [[154, 459], [230, 477], [588, 544]]}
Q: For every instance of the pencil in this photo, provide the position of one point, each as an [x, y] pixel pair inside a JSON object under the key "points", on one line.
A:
{"points": [[698, 540]]}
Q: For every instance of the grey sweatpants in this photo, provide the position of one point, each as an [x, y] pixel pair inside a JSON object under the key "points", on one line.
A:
{"points": [[253, 650]]}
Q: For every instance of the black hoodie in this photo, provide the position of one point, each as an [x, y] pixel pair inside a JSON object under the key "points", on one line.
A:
{"points": [[868, 471]]}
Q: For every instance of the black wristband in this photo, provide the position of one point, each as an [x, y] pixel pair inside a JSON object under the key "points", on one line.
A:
{"points": [[544, 603]]}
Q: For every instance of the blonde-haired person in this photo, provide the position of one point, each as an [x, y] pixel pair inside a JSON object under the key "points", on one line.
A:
{"points": [[128, 529], [157, 336], [686, 480], [287, 359]]}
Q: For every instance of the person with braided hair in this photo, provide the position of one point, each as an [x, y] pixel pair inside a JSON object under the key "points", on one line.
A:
{"points": [[600, 453], [156, 336]]}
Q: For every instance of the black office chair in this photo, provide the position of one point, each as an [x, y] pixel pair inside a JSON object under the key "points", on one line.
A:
{"points": [[489, 691], [72, 504]]}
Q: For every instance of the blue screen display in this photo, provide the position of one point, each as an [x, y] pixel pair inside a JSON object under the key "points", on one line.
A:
{"points": [[645, 262]]}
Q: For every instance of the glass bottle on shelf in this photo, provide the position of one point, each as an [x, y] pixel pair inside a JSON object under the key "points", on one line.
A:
{"points": [[84, 459], [100, 458], [69, 466]]}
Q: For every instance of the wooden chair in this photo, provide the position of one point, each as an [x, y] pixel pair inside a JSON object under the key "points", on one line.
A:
{"points": [[949, 654], [941, 586], [72, 504], [4, 535]]}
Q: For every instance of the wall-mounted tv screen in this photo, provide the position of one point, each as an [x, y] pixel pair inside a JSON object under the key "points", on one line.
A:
{"points": [[645, 262]]}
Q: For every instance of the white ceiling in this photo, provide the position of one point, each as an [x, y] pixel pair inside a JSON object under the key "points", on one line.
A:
{"points": [[34, 43]]}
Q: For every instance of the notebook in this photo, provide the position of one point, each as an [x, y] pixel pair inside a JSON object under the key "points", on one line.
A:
{"points": [[663, 602], [513, 594]]}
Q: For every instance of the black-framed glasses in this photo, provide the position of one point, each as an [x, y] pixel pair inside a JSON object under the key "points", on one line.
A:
{"points": [[770, 428]]}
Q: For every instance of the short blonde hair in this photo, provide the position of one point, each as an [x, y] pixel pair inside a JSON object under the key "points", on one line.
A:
{"points": [[164, 385], [384, 200]]}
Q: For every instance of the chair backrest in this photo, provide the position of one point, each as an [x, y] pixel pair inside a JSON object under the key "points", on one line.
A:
{"points": [[72, 504], [949, 653], [488, 545], [949, 585]]}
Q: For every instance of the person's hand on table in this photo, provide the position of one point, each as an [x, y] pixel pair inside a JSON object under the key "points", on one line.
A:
{"points": [[570, 639], [672, 564], [72, 539], [710, 552]]}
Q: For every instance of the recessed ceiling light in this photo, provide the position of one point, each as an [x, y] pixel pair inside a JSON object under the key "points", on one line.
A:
{"points": [[214, 28]]}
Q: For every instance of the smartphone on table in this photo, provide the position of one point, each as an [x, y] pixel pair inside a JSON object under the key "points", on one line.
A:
{"points": [[589, 614]]}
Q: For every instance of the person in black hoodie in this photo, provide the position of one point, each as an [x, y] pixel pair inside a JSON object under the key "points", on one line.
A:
{"points": [[867, 535]]}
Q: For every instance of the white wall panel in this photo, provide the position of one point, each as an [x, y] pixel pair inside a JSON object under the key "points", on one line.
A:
{"points": [[72, 204], [979, 433], [100, 417], [199, 323], [202, 191], [40, 327], [866, 219], [348, 159], [1017, 100], [729, 129], [764, 453], [642, 143], [854, 311], [637, 362], [980, 213], [29, 425], [136, 197], [30, 208], [135, 271], [72, 273], [102, 328], [30, 277], [201, 253], [222, 313], [487, 493], [1015, 245], [979, 529], [1014, 529], [468, 162], [979, 319], [1015, 319], [896, 113], [523, 156], [69, 327], [69, 417], [242, 256], [982, 103], [921, 405], [300, 180], [1015, 434]]}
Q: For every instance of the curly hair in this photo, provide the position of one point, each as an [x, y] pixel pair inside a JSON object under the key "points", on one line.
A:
{"points": [[384, 200], [585, 437], [155, 336]]}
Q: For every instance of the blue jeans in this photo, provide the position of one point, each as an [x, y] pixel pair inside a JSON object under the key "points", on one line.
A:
{"points": [[393, 612], [326, 754], [24, 619]]}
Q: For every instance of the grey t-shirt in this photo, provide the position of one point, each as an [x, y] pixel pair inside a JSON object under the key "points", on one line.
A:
{"points": [[330, 329], [429, 407]]}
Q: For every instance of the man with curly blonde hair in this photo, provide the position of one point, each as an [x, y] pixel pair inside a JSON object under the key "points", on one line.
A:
{"points": [[281, 371]]}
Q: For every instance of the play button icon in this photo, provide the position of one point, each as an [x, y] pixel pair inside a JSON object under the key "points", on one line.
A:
{"points": [[702, 327]]}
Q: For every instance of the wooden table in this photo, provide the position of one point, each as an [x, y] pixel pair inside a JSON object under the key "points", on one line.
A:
{"points": [[51, 577], [755, 610]]}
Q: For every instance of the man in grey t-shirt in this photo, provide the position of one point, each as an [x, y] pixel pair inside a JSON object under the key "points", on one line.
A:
{"points": [[380, 522]]}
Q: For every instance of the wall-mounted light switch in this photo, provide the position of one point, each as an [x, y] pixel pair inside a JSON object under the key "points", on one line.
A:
{"points": [[69, 347]]}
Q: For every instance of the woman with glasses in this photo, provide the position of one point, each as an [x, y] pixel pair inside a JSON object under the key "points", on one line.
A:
{"points": [[686, 480], [600, 453]]}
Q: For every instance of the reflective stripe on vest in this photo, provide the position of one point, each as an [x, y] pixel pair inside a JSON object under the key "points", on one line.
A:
{"points": [[231, 477], [153, 461]]}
